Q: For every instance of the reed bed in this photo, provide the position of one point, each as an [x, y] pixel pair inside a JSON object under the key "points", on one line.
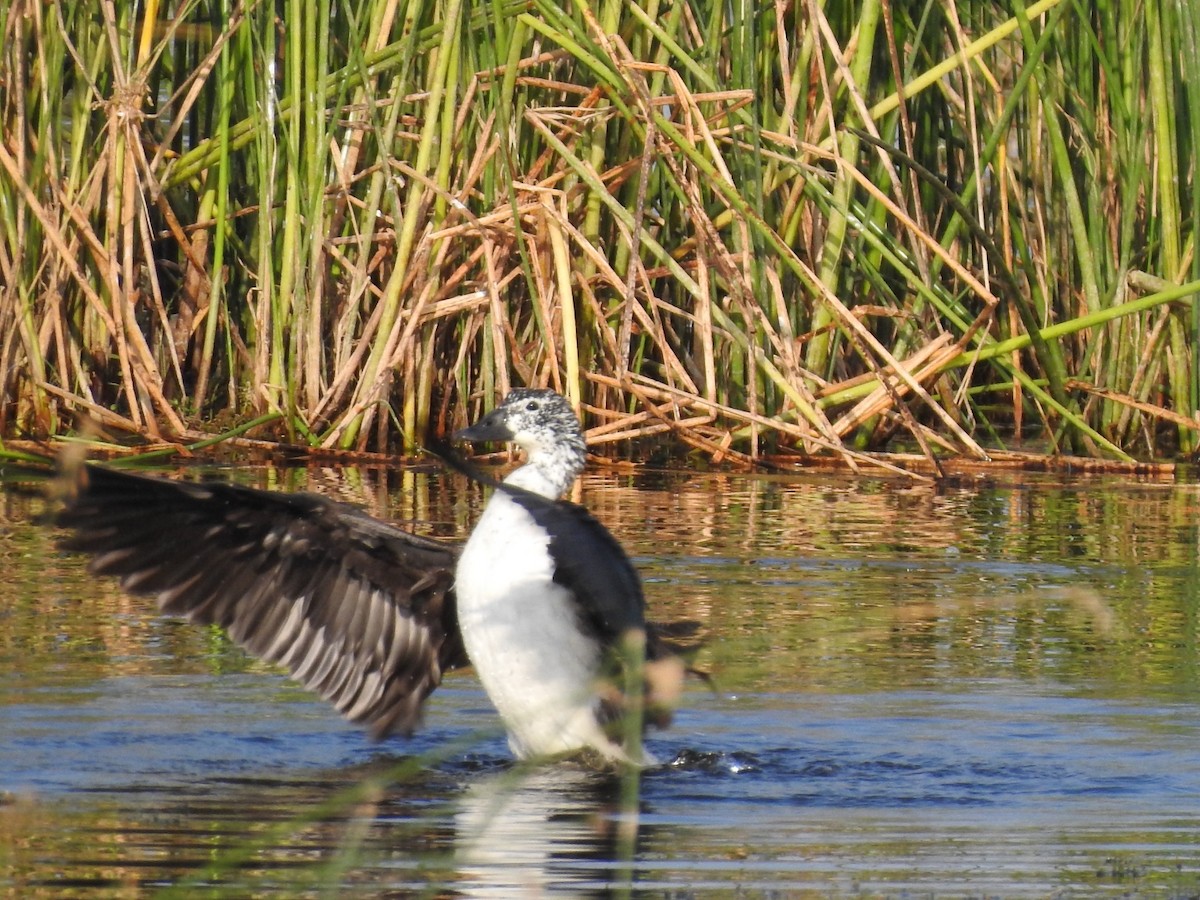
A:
{"points": [[756, 230]]}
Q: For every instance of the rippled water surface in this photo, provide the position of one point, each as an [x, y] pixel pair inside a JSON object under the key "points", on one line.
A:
{"points": [[987, 689]]}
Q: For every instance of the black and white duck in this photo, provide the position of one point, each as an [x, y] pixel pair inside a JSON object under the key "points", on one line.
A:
{"points": [[541, 600]]}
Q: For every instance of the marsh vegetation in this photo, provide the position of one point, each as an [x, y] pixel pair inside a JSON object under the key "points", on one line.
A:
{"points": [[756, 228]]}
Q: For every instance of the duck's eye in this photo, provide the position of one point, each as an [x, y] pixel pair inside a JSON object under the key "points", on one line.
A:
{"points": [[531, 406]]}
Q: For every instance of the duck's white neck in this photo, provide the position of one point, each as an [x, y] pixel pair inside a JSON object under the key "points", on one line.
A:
{"points": [[550, 470]]}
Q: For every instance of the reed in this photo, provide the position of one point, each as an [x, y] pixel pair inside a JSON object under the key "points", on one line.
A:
{"points": [[755, 229]]}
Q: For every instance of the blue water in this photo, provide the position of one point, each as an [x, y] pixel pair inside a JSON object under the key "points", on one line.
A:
{"points": [[984, 789], [973, 712]]}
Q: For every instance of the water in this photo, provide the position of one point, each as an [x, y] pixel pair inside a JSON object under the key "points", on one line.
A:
{"points": [[985, 690]]}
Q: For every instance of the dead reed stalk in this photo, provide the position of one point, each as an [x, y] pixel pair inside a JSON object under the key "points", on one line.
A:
{"points": [[787, 232]]}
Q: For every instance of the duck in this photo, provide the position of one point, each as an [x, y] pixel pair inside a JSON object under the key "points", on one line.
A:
{"points": [[550, 608], [541, 599]]}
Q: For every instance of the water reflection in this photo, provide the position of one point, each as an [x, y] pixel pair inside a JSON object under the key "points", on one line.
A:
{"points": [[543, 831], [976, 689], [477, 825]]}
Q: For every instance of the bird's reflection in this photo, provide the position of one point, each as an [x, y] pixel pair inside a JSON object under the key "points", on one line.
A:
{"points": [[537, 830], [488, 830]]}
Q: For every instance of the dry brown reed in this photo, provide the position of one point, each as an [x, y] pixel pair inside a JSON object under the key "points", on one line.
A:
{"points": [[790, 232]]}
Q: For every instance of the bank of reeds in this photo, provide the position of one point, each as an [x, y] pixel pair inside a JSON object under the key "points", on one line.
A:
{"points": [[753, 227]]}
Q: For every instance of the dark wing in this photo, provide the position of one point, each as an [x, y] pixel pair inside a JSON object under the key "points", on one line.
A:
{"points": [[355, 609], [588, 560], [590, 563]]}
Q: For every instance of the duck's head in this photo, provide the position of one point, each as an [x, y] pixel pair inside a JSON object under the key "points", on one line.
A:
{"points": [[542, 423]]}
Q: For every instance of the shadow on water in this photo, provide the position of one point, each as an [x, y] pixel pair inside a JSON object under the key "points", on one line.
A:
{"points": [[982, 691]]}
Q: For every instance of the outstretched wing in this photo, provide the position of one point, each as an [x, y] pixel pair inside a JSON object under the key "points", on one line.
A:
{"points": [[356, 610]]}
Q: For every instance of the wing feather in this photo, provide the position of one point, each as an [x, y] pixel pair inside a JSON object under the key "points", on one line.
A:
{"points": [[357, 610]]}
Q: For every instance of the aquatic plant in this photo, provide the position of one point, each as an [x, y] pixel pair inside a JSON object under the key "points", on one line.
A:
{"points": [[754, 228]]}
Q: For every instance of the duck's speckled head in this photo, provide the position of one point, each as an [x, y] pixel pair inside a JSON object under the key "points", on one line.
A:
{"points": [[542, 423]]}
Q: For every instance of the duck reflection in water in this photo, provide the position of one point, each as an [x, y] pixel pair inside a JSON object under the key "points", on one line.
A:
{"points": [[536, 831]]}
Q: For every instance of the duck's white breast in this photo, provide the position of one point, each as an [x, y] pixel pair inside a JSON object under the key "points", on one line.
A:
{"points": [[523, 635]]}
